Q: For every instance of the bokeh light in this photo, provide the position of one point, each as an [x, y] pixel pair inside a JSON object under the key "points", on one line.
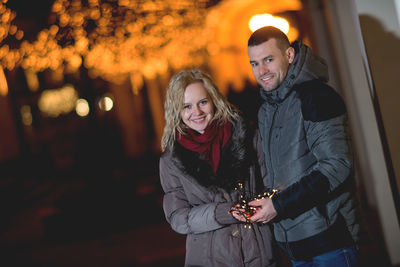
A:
{"points": [[26, 115], [105, 103], [262, 20], [114, 40], [82, 107], [56, 102]]}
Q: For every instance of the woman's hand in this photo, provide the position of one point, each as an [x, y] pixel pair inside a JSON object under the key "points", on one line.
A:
{"points": [[241, 214]]}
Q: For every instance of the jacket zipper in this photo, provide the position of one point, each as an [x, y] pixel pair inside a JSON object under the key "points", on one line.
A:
{"points": [[273, 175], [269, 145]]}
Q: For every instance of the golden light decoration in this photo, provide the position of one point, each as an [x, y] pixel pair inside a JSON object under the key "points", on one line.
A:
{"points": [[9, 58], [56, 102], [3, 83], [262, 20], [32, 80], [115, 40], [119, 40], [26, 115], [105, 103], [82, 107]]}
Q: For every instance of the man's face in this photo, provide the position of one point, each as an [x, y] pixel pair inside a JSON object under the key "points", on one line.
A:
{"points": [[269, 64]]}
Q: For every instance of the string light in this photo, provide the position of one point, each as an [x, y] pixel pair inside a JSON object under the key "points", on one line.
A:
{"points": [[243, 208], [119, 40], [115, 40]]}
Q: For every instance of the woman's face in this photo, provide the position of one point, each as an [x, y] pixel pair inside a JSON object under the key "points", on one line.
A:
{"points": [[198, 108]]}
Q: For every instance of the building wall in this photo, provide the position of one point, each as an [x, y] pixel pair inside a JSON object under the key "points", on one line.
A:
{"points": [[385, 11], [381, 34], [357, 57], [360, 76]]}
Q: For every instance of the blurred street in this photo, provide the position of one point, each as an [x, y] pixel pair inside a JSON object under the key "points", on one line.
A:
{"points": [[62, 220], [67, 221]]}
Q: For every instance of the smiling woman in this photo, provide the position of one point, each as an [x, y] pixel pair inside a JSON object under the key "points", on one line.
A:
{"points": [[207, 169]]}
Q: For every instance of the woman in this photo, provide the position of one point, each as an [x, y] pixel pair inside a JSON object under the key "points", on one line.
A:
{"points": [[207, 155]]}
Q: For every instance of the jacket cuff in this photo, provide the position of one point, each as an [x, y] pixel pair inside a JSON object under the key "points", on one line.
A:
{"points": [[312, 190], [277, 206], [222, 214]]}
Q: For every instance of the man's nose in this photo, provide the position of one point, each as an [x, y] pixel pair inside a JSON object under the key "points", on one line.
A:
{"points": [[263, 69]]}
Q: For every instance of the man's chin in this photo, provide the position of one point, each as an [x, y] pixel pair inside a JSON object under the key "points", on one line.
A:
{"points": [[268, 89], [265, 87]]}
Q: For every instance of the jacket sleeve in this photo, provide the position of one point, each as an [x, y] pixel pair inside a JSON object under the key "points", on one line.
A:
{"points": [[325, 123], [181, 215]]}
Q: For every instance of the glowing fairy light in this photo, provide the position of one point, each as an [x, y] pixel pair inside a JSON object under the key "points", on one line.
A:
{"points": [[105, 103], [119, 40], [3, 83], [82, 107], [262, 20], [26, 115], [114, 40], [56, 102], [243, 208], [32, 80]]}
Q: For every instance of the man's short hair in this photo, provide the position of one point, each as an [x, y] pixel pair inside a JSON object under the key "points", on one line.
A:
{"points": [[266, 33]]}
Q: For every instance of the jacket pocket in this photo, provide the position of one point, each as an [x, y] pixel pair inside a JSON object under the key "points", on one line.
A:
{"points": [[197, 249], [225, 247]]}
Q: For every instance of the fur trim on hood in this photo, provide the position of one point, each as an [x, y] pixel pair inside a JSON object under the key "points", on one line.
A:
{"points": [[233, 166]]}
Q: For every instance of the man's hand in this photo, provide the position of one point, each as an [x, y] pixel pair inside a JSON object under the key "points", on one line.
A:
{"points": [[265, 210]]}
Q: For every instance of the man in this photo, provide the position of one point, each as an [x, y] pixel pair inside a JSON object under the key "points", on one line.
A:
{"points": [[303, 128]]}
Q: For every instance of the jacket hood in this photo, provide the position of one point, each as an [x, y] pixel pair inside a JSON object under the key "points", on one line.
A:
{"points": [[306, 66]]}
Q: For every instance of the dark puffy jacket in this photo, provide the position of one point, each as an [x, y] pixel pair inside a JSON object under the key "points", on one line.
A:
{"points": [[196, 203], [303, 126]]}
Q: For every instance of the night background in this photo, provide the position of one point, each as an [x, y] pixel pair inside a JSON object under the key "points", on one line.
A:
{"points": [[82, 86], [84, 189]]}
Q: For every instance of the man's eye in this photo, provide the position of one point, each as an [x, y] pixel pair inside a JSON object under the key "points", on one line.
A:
{"points": [[253, 64]]}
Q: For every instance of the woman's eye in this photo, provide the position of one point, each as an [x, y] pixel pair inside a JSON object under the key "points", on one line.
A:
{"points": [[203, 102], [186, 107]]}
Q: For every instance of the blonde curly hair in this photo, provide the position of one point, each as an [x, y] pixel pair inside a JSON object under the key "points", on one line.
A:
{"points": [[173, 106]]}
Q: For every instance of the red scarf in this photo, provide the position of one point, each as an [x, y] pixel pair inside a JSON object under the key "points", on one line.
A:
{"points": [[209, 144]]}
